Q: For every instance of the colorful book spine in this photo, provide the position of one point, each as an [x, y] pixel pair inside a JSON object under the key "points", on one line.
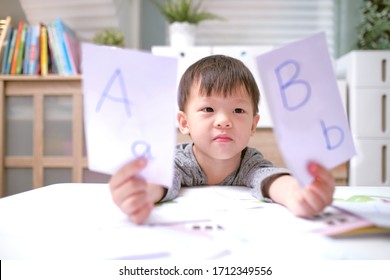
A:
{"points": [[11, 51], [34, 50], [50, 41], [73, 49], [8, 40], [19, 62], [62, 46], [17, 48], [27, 48], [51, 30], [44, 61]]}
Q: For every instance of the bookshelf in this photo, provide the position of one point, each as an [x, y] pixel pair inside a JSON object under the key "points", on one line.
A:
{"points": [[41, 108], [42, 133], [42, 48]]}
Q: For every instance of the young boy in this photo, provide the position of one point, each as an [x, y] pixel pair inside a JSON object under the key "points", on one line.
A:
{"points": [[218, 102]]}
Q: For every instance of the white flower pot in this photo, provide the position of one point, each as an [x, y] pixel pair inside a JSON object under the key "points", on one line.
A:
{"points": [[182, 34]]}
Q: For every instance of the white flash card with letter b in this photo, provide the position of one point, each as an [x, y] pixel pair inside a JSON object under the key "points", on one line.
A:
{"points": [[129, 109], [306, 108]]}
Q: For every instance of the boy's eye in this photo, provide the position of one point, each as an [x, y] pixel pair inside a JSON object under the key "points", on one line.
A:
{"points": [[239, 110], [208, 110]]}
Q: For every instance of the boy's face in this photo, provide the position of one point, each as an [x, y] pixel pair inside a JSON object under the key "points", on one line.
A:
{"points": [[220, 127]]}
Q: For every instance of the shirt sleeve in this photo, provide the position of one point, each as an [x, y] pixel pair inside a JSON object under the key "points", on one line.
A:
{"points": [[174, 190], [186, 171], [256, 171]]}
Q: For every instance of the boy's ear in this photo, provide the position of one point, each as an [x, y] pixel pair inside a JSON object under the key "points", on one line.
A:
{"points": [[183, 124], [254, 123]]}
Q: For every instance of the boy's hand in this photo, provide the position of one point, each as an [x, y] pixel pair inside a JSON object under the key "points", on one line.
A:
{"points": [[133, 194], [305, 201]]}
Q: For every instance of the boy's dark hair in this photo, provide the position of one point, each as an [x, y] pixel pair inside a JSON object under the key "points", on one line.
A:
{"points": [[218, 74]]}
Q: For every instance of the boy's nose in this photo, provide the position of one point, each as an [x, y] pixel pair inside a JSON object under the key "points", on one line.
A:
{"points": [[223, 122], [225, 125]]}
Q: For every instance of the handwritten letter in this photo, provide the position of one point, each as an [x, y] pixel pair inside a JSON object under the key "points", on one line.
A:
{"points": [[129, 110], [309, 119]]}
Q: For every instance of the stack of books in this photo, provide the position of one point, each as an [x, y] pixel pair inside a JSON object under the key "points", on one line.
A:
{"points": [[40, 49]]}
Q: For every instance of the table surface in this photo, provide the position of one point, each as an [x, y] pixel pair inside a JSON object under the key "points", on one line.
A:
{"points": [[80, 221]]}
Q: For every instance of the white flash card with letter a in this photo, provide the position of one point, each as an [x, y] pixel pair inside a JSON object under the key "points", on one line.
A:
{"points": [[129, 110], [306, 108]]}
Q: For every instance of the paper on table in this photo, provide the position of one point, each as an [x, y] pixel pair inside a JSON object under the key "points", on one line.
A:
{"points": [[306, 108], [129, 110]]}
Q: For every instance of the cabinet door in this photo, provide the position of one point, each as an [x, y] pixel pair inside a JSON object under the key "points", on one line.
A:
{"points": [[56, 175], [368, 68], [17, 180], [58, 132], [369, 112], [371, 166], [19, 121]]}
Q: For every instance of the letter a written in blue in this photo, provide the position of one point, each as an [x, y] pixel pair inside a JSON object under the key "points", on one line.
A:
{"points": [[122, 98]]}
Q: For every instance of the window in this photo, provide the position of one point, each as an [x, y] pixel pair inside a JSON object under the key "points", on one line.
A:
{"points": [[267, 22]]}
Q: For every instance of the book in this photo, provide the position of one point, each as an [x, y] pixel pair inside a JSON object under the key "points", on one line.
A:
{"points": [[5, 25], [34, 49], [64, 52], [19, 62], [356, 215], [53, 67], [6, 50], [26, 57], [57, 60], [11, 51], [17, 48], [72, 49], [44, 58]]}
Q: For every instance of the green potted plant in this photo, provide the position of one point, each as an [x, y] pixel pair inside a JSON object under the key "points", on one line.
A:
{"points": [[183, 16], [374, 29], [109, 37]]}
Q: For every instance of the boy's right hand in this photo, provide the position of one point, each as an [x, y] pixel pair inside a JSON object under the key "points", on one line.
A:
{"points": [[133, 195]]}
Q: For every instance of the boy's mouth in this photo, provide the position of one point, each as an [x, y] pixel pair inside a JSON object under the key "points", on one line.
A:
{"points": [[222, 138]]}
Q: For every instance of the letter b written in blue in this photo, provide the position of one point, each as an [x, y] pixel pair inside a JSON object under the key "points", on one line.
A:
{"points": [[334, 135], [295, 93]]}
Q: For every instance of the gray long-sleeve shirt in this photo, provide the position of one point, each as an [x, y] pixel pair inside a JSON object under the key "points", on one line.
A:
{"points": [[253, 172]]}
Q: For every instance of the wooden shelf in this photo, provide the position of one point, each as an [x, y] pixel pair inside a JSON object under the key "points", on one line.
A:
{"points": [[40, 78], [38, 88]]}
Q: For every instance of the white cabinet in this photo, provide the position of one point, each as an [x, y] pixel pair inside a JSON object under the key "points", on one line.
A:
{"points": [[186, 56], [368, 112], [368, 78], [370, 167]]}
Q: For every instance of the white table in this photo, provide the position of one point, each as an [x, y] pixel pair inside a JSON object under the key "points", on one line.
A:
{"points": [[80, 221]]}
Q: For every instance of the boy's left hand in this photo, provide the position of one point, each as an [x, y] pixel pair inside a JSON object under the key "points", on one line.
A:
{"points": [[316, 196], [306, 201]]}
